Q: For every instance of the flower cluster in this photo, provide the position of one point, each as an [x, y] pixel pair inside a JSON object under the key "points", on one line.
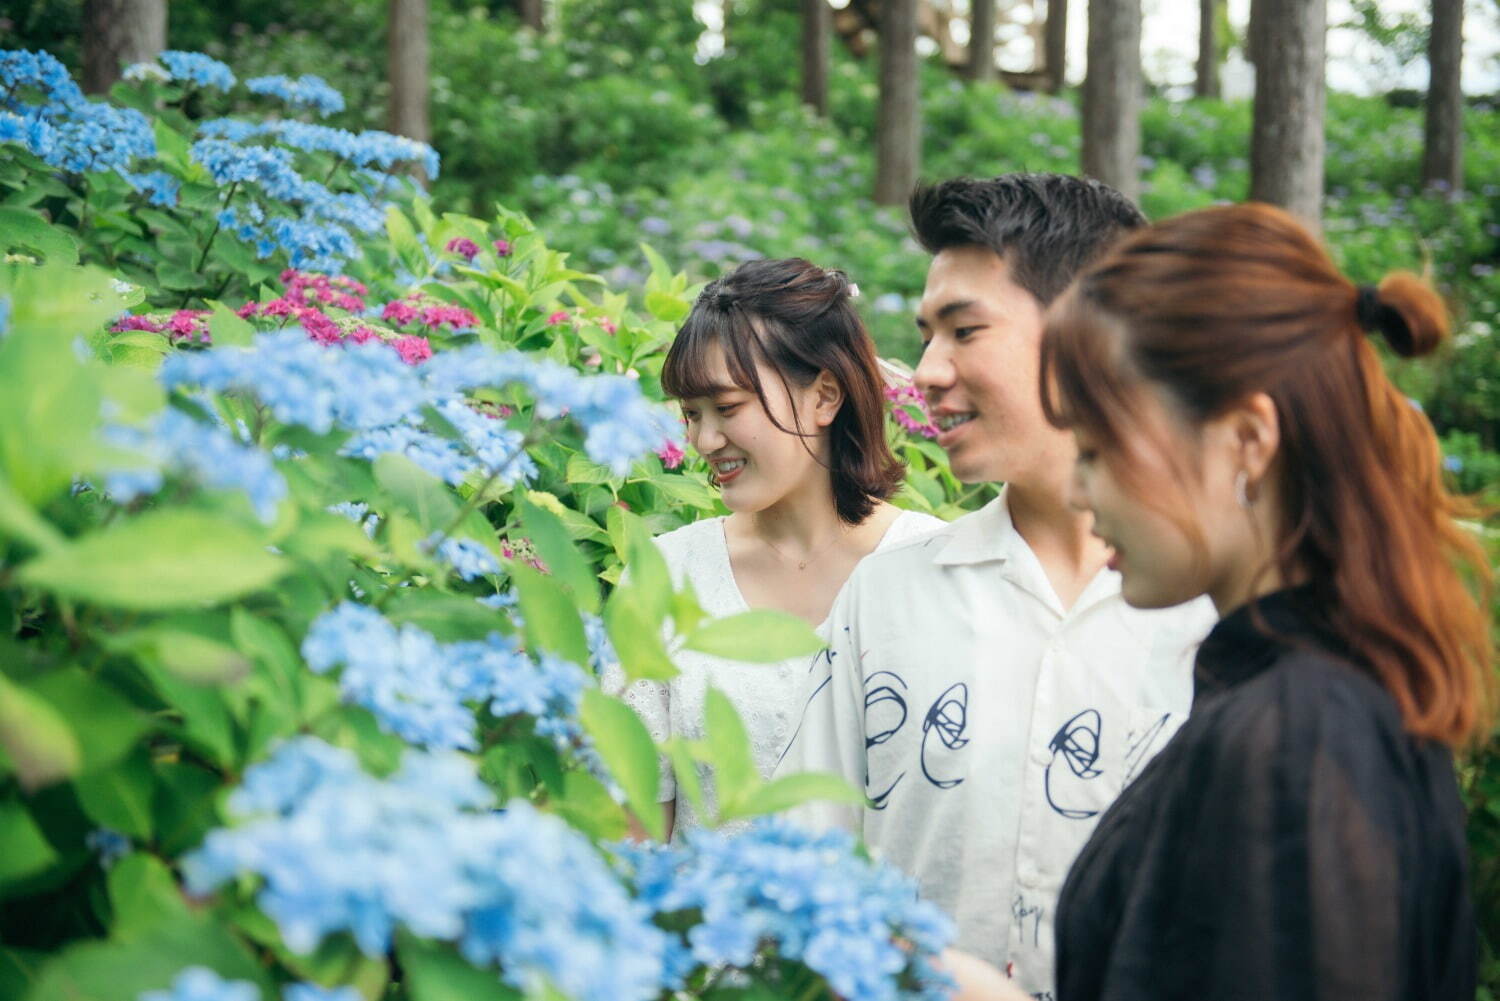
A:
{"points": [[431, 313], [182, 325], [207, 454], [307, 91], [421, 690], [371, 148], [308, 295], [66, 129], [340, 851], [909, 408], [199, 983], [469, 559], [463, 247], [197, 69], [808, 895]]}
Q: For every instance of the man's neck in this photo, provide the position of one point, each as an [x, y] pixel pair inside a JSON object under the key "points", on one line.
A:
{"points": [[1069, 553]]}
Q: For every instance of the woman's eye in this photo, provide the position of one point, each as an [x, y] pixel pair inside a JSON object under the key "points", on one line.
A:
{"points": [[963, 333], [729, 409], [690, 415]]}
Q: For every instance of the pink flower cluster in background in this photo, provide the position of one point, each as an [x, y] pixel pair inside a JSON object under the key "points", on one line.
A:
{"points": [[909, 407], [464, 247], [189, 325], [671, 455], [430, 313]]}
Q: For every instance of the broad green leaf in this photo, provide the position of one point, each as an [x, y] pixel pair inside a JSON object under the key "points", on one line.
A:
{"points": [[687, 614], [205, 718], [18, 520], [758, 636], [667, 307], [687, 489], [582, 470], [261, 639], [119, 797], [24, 849], [727, 747], [192, 657], [793, 790], [637, 641], [41, 746], [227, 328], [449, 617], [23, 230], [586, 804], [645, 567], [555, 546], [628, 752], [552, 621], [107, 724], [144, 895], [423, 496], [434, 971], [679, 752]]}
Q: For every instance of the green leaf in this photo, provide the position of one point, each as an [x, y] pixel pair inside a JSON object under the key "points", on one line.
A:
{"points": [[728, 752], [449, 617], [665, 306], [120, 797], [583, 470], [174, 276], [19, 520], [552, 621], [108, 724], [637, 641], [436, 972], [41, 746], [555, 546], [159, 560], [761, 636], [586, 804], [144, 896], [227, 328], [628, 752], [24, 850], [193, 657], [23, 230], [206, 722], [645, 566], [793, 790], [423, 496]]}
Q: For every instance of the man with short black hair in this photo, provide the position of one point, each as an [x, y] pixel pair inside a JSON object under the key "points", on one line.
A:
{"points": [[986, 685]]}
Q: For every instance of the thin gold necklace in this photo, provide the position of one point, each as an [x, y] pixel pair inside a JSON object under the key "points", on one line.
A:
{"points": [[802, 563]]}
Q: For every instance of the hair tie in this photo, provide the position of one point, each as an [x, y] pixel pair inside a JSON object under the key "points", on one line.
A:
{"points": [[1367, 308]]}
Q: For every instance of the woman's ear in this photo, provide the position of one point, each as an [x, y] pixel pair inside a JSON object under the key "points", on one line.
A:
{"points": [[828, 397], [1257, 427]]}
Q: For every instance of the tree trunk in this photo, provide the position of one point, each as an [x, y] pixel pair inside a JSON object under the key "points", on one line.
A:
{"points": [[531, 14], [1286, 142], [407, 48], [1442, 162], [1112, 95], [117, 33], [898, 123], [1056, 46], [1207, 82], [982, 40], [817, 30]]}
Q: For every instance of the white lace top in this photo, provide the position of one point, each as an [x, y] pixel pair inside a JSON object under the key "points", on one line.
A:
{"points": [[764, 694]]}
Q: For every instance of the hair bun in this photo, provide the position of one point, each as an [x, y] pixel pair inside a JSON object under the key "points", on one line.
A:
{"points": [[1406, 311]]}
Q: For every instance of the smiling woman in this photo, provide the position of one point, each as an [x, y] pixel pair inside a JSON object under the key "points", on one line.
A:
{"points": [[783, 398]]}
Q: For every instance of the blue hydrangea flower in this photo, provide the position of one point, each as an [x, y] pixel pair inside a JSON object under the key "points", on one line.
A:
{"points": [[160, 187], [805, 896], [313, 992], [110, 846], [468, 558], [205, 453], [20, 68], [424, 849], [197, 69], [199, 983], [307, 91], [4, 315]]}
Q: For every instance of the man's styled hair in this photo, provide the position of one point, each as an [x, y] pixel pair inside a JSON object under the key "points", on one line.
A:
{"points": [[1046, 227]]}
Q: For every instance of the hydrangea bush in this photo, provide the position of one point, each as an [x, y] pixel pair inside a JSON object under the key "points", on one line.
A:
{"points": [[308, 568]]}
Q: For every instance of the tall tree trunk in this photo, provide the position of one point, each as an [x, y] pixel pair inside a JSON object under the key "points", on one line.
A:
{"points": [[1112, 95], [981, 40], [117, 33], [1207, 82], [817, 30], [1443, 160], [898, 122], [1056, 44], [407, 50], [1252, 29], [531, 14], [1286, 142]]}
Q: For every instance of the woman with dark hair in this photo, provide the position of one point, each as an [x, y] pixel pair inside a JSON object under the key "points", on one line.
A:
{"points": [[782, 396]]}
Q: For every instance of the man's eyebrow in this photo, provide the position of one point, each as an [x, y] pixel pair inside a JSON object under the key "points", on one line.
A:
{"points": [[948, 309]]}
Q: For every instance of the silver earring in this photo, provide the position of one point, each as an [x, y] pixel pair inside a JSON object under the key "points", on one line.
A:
{"points": [[1242, 489]]}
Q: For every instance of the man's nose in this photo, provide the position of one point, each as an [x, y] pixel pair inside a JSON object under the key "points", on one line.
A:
{"points": [[934, 372]]}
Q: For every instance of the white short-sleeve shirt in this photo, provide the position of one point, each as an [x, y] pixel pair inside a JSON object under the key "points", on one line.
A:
{"points": [[988, 725], [765, 695]]}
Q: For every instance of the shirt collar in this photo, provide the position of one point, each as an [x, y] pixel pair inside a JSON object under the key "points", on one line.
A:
{"points": [[1251, 638], [985, 536]]}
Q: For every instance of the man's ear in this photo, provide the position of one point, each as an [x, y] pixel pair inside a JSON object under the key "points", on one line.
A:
{"points": [[828, 398]]}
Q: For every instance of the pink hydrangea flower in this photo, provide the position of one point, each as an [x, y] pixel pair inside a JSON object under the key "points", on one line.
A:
{"points": [[134, 322], [414, 349], [671, 455], [463, 246], [399, 312], [502, 247], [608, 325], [319, 327], [280, 307], [453, 316], [904, 400], [247, 310], [558, 318], [361, 334]]}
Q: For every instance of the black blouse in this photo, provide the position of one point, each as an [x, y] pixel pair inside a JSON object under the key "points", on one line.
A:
{"points": [[1290, 842]]}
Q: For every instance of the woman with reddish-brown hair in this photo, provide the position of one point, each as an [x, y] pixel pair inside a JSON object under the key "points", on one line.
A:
{"points": [[1302, 834]]}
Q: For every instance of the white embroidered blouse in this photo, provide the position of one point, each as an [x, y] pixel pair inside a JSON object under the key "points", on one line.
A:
{"points": [[764, 694]]}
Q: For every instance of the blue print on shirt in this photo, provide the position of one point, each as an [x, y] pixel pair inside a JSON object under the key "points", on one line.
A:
{"points": [[885, 715], [1077, 744], [948, 718]]}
